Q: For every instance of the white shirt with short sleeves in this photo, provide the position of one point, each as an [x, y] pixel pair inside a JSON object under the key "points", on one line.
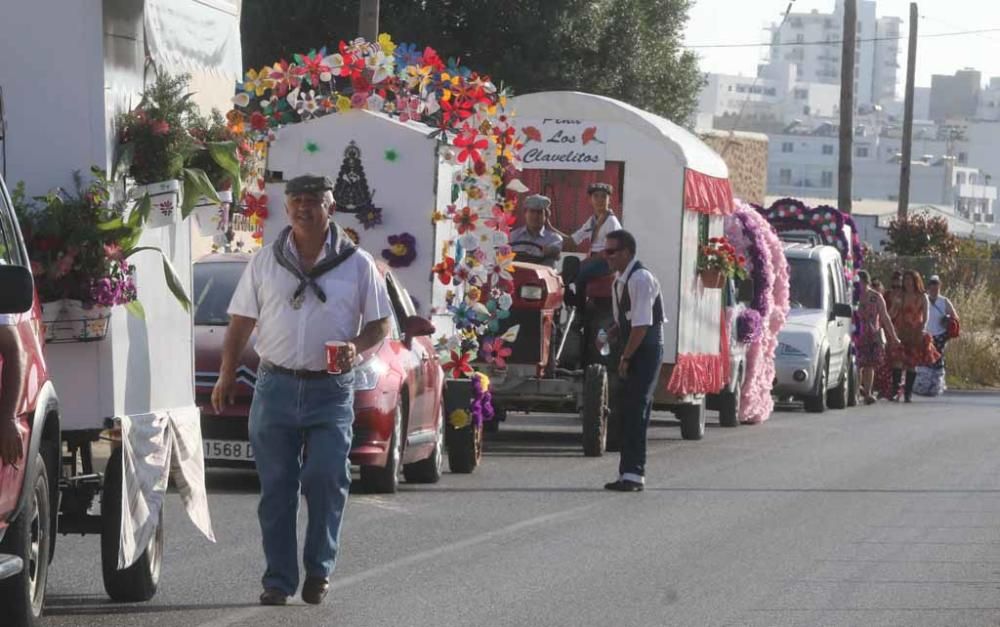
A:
{"points": [[296, 338], [643, 288], [599, 239], [937, 309]]}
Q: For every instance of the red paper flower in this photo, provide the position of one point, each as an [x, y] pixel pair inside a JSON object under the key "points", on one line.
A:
{"points": [[458, 366], [501, 220], [493, 351], [465, 220], [258, 121], [313, 67], [471, 143], [445, 271], [286, 77], [255, 206]]}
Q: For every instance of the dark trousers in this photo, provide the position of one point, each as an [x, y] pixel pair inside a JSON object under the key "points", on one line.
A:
{"points": [[636, 400]]}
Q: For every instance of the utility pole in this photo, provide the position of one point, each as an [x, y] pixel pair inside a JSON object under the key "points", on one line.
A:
{"points": [[904, 166], [368, 20], [847, 54]]}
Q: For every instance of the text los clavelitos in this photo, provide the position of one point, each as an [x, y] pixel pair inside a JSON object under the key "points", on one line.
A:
{"points": [[538, 155]]}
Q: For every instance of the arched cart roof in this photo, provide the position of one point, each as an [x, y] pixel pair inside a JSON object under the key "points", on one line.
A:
{"points": [[689, 150]]}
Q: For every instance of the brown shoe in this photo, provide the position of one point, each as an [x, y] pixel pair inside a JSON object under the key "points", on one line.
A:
{"points": [[314, 589], [273, 596]]}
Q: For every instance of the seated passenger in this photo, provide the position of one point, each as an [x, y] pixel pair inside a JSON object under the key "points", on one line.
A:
{"points": [[534, 242]]}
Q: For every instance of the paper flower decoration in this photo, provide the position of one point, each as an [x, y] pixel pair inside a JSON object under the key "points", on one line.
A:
{"points": [[392, 155], [351, 233], [255, 206], [465, 220], [312, 147], [493, 351], [459, 419], [445, 271], [458, 365], [402, 250], [370, 217]]}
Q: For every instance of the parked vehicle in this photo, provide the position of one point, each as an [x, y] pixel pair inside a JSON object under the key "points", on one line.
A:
{"points": [[399, 421], [29, 494], [814, 361]]}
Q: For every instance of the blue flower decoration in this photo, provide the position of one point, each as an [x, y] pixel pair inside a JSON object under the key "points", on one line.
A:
{"points": [[407, 54]]}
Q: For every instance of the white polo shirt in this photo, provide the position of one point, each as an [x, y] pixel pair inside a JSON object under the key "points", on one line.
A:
{"points": [[296, 338], [643, 288], [937, 309], [597, 240]]}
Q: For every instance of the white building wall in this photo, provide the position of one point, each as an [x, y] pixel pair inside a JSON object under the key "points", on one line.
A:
{"points": [[801, 165]]}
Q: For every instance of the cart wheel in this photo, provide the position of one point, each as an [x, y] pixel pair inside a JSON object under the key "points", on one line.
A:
{"points": [[594, 413], [465, 448], [729, 404], [138, 582], [22, 595], [692, 419]]}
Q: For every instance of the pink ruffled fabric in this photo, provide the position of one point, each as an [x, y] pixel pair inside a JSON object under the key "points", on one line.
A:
{"points": [[697, 374]]}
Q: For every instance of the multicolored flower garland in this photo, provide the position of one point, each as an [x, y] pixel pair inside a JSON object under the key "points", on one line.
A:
{"points": [[408, 83]]}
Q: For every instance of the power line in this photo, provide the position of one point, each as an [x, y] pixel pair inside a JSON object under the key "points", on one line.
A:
{"points": [[834, 42]]}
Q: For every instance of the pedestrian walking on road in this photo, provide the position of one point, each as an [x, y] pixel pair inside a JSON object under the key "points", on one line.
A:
{"points": [[876, 329], [942, 325], [638, 313], [311, 286], [915, 348]]}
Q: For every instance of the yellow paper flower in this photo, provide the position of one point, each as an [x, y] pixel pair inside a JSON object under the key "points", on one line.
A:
{"points": [[473, 294], [459, 419], [437, 216], [343, 104], [385, 41], [484, 381], [258, 82]]}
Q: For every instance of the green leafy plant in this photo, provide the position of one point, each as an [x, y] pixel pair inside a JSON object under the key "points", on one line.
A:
{"points": [[154, 142], [918, 235], [217, 153]]}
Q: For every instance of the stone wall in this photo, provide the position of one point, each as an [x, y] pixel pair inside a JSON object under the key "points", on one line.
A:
{"points": [[746, 156]]}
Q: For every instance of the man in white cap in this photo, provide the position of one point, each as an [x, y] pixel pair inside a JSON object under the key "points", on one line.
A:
{"points": [[533, 241], [939, 311]]}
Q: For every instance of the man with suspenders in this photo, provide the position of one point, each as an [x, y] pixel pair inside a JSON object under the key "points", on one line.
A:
{"points": [[638, 313]]}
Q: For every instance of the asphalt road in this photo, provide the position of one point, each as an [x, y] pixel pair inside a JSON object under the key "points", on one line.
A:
{"points": [[887, 515]]}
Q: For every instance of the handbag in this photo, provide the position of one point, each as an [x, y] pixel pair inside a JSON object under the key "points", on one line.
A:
{"points": [[952, 326]]}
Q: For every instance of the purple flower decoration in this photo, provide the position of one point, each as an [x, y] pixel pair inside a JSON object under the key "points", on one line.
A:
{"points": [[481, 405], [370, 216], [118, 288], [402, 250], [748, 326]]}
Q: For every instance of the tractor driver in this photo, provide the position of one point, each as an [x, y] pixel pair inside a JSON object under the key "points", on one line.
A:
{"points": [[534, 242]]}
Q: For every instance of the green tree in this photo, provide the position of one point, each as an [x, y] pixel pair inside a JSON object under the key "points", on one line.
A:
{"points": [[920, 235], [625, 49]]}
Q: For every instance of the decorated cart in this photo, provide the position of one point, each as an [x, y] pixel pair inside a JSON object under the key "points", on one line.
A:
{"points": [[671, 191], [112, 254]]}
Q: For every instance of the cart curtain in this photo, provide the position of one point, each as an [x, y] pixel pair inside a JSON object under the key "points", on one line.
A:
{"points": [[156, 447], [697, 374], [707, 194]]}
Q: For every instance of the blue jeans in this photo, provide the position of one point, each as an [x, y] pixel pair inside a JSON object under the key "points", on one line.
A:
{"points": [[301, 434], [636, 401]]}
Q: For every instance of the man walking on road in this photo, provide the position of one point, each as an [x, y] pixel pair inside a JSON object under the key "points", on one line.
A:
{"points": [[638, 313], [311, 286]]}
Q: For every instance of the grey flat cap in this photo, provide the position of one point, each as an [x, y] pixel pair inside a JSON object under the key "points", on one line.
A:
{"points": [[600, 187], [308, 183], [537, 201]]}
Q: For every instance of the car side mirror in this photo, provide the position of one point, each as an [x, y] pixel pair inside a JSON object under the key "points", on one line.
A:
{"points": [[842, 310], [570, 269], [17, 289], [416, 326]]}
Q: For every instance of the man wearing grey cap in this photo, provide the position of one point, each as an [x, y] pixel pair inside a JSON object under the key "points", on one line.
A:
{"points": [[534, 241], [310, 286]]}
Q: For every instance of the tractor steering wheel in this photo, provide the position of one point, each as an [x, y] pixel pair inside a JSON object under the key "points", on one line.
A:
{"points": [[529, 257]]}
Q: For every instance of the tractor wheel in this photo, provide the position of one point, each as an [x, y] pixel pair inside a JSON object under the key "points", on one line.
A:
{"points": [[594, 413]]}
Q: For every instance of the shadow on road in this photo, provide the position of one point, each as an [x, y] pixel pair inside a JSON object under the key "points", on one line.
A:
{"points": [[78, 605]]}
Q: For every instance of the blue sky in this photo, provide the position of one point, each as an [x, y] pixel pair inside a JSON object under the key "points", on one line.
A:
{"points": [[743, 21]]}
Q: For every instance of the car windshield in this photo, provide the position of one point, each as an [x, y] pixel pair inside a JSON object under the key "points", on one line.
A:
{"points": [[214, 284], [805, 284]]}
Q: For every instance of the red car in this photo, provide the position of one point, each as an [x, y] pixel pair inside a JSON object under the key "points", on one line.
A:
{"points": [[398, 415], [29, 489]]}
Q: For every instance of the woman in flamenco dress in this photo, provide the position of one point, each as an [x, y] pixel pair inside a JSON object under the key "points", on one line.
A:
{"points": [[908, 311]]}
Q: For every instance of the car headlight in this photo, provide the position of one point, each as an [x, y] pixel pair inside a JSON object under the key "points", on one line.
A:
{"points": [[789, 350], [368, 373]]}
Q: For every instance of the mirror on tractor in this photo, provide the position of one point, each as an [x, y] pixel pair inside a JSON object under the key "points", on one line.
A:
{"points": [[17, 291], [842, 310], [415, 326], [570, 268]]}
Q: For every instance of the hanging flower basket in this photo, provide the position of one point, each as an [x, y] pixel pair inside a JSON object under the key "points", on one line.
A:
{"points": [[712, 278], [51, 311], [165, 202], [76, 323], [210, 215]]}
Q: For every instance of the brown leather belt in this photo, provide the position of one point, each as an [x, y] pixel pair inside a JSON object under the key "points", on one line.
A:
{"points": [[299, 374]]}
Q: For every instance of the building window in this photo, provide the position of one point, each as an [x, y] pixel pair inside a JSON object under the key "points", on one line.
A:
{"points": [[801, 94], [787, 147], [827, 149], [800, 38], [861, 151], [785, 176], [963, 158], [827, 180]]}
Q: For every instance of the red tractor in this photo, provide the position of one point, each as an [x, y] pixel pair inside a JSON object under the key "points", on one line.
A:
{"points": [[556, 364]]}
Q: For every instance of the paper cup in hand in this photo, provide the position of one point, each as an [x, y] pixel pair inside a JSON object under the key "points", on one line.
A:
{"points": [[332, 356]]}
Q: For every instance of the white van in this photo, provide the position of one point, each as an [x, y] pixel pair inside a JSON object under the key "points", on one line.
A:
{"points": [[814, 361]]}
